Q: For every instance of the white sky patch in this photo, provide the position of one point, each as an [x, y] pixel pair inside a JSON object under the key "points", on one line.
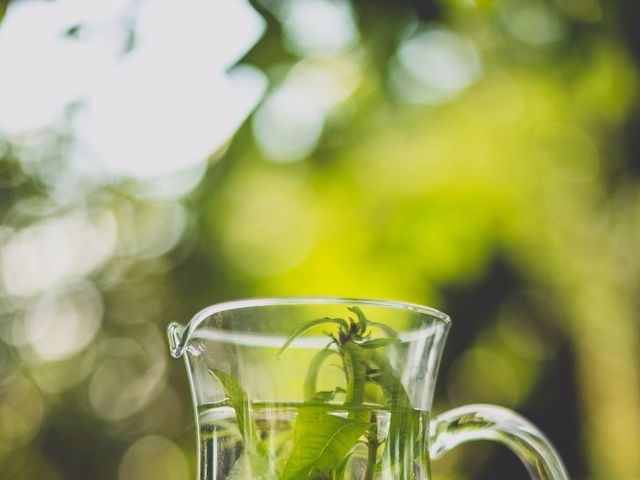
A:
{"points": [[42, 69], [319, 27], [150, 119], [434, 65], [161, 108]]}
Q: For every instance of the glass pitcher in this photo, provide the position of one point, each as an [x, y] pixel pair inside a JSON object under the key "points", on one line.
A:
{"points": [[339, 389]]}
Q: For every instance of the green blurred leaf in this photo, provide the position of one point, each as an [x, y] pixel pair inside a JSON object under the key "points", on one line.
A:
{"points": [[3, 8]]}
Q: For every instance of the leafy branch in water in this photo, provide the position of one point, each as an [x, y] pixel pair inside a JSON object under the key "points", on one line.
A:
{"points": [[323, 442], [363, 363]]}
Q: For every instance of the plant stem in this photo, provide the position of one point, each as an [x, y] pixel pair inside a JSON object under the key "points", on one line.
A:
{"points": [[356, 368], [372, 444]]}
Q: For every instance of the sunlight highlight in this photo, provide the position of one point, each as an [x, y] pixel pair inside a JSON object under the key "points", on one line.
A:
{"points": [[143, 104]]}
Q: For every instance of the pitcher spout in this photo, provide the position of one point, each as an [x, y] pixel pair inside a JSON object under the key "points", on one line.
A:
{"points": [[176, 341]]}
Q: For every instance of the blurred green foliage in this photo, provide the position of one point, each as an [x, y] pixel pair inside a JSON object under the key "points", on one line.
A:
{"points": [[503, 189]]}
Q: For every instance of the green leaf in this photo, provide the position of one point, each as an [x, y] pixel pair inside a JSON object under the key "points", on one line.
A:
{"points": [[239, 401], [391, 333], [388, 380], [310, 413], [327, 395], [254, 457], [313, 410], [362, 319], [342, 467], [309, 388], [305, 327], [404, 423], [323, 446]]}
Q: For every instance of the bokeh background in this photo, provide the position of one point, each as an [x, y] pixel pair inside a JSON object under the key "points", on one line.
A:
{"points": [[478, 156]]}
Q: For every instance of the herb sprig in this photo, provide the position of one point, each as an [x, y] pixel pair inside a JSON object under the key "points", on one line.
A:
{"points": [[323, 443]]}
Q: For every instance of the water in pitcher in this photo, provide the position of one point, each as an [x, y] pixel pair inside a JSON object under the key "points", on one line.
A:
{"points": [[331, 448]]}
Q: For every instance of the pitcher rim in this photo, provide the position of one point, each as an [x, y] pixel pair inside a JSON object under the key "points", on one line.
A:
{"points": [[179, 335]]}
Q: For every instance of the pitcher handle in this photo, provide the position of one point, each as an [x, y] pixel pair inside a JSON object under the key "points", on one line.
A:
{"points": [[488, 422]]}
